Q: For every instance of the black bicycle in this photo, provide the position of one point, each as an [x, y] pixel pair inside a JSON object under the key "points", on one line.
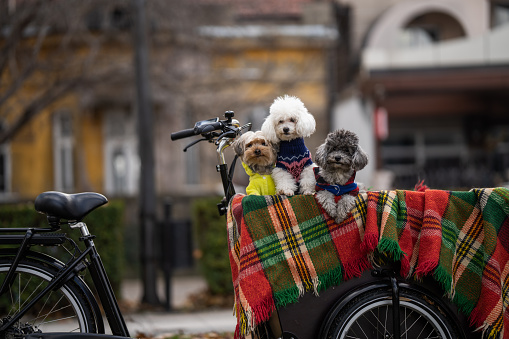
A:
{"points": [[40, 294]]}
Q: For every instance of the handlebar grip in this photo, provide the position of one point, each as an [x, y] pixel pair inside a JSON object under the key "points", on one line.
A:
{"points": [[208, 127], [183, 134]]}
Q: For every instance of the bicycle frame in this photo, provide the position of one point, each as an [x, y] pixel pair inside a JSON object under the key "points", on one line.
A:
{"points": [[37, 236]]}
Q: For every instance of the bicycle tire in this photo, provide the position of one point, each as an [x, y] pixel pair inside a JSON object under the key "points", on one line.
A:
{"points": [[369, 315], [67, 309]]}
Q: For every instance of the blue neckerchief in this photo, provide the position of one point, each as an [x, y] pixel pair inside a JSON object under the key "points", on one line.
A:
{"points": [[338, 189]]}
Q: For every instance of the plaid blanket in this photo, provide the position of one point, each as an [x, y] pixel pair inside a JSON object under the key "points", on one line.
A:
{"points": [[282, 246]]}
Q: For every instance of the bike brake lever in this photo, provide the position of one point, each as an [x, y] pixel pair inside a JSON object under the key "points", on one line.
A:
{"points": [[229, 134], [194, 143], [248, 126]]}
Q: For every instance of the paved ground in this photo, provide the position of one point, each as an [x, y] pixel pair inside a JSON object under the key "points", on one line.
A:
{"points": [[156, 323]]}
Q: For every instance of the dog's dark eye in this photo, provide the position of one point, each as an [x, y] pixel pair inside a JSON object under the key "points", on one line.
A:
{"points": [[263, 143], [281, 121], [248, 145], [292, 119]]}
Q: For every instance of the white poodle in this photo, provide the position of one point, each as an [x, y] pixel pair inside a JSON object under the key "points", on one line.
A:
{"points": [[286, 126]]}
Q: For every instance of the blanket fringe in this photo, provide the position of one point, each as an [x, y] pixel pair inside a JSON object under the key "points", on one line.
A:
{"points": [[390, 247], [476, 320], [287, 296], [316, 285], [463, 303], [370, 242], [489, 333], [479, 322], [332, 278], [424, 268], [444, 278], [405, 267], [248, 320], [355, 268]]}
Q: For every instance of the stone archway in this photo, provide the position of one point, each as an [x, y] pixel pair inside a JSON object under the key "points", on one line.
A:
{"points": [[470, 17]]}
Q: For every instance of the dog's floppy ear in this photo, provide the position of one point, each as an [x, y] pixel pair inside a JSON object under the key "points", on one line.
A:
{"points": [[360, 159], [321, 155], [305, 124], [269, 130], [238, 144]]}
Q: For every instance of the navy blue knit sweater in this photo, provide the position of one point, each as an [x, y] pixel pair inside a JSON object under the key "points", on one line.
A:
{"points": [[293, 157]]}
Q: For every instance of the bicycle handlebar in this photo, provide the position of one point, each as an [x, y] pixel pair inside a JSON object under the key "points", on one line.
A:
{"points": [[201, 127], [221, 133], [186, 133]]}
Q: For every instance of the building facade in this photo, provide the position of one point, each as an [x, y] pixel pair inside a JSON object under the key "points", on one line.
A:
{"points": [[424, 84], [431, 91], [209, 60]]}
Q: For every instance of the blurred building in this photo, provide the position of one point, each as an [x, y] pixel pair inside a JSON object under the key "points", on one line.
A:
{"points": [[431, 91], [423, 82], [205, 57]]}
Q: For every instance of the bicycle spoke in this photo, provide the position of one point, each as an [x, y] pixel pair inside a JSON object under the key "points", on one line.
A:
{"points": [[59, 319], [386, 316], [44, 316], [52, 309], [433, 331], [44, 305], [20, 305], [365, 335], [413, 324], [375, 325], [404, 321], [377, 320], [422, 330]]}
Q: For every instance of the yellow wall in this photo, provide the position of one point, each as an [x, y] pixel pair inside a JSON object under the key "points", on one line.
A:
{"points": [[89, 146], [32, 163], [31, 158]]}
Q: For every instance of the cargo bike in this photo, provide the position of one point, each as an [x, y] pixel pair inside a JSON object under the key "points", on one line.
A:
{"points": [[391, 295]]}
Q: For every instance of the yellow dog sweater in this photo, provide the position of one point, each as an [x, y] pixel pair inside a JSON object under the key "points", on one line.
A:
{"points": [[259, 184]]}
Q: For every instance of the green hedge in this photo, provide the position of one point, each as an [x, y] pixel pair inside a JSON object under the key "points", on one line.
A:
{"points": [[106, 223], [212, 240]]}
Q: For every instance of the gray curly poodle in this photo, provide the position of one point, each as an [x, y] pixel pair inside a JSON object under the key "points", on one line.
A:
{"points": [[338, 160]]}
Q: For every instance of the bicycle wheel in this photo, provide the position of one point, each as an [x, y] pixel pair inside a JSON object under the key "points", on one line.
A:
{"points": [[369, 315], [66, 309]]}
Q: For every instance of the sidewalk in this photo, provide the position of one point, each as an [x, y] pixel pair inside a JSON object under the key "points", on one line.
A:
{"points": [[161, 322]]}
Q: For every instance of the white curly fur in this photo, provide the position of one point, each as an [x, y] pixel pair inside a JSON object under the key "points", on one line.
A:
{"points": [[284, 109], [289, 119]]}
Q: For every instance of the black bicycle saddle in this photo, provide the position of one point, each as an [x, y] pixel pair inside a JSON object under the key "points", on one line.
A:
{"points": [[68, 206]]}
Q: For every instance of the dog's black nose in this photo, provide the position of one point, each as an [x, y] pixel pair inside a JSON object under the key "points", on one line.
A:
{"points": [[257, 152], [337, 158], [286, 130]]}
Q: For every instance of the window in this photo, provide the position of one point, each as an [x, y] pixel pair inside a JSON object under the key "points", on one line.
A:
{"points": [[437, 154], [121, 156], [500, 14], [63, 152], [418, 36], [5, 167], [120, 18], [430, 28]]}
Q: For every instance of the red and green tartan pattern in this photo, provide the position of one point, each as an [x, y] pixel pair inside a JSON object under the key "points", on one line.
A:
{"points": [[281, 247]]}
